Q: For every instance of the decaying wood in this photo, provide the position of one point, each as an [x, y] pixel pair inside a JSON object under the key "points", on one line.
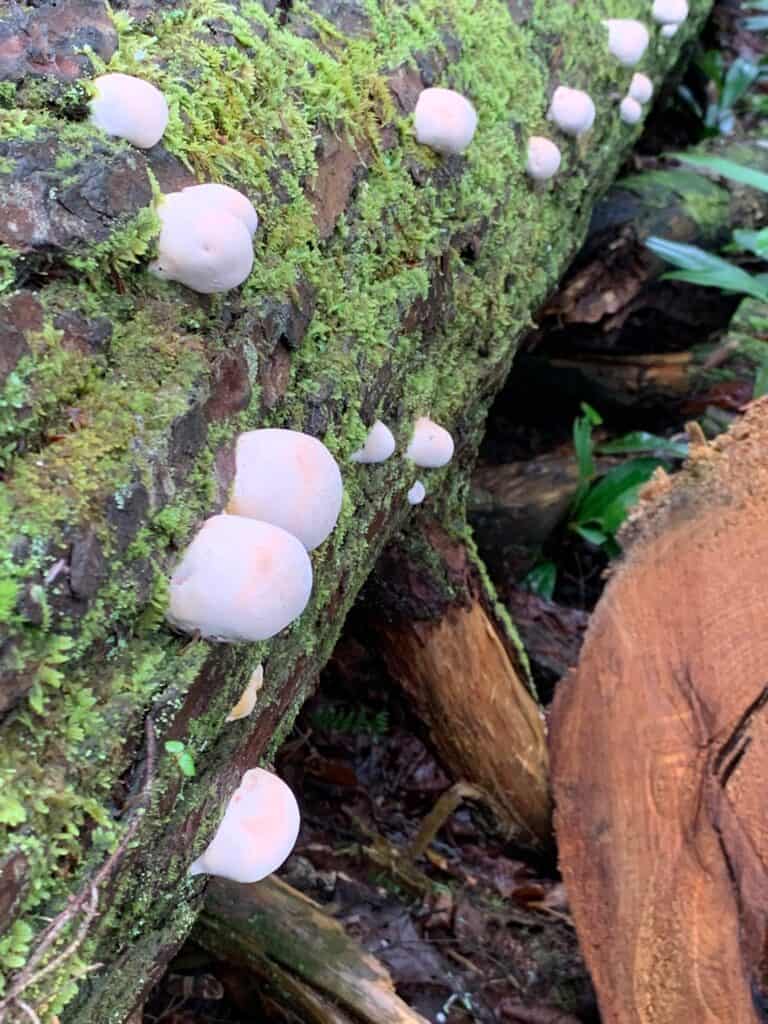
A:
{"points": [[442, 640], [660, 749], [270, 921]]}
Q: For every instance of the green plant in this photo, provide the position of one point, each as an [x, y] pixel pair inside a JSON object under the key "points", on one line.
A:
{"points": [[340, 718], [729, 87], [183, 758]]}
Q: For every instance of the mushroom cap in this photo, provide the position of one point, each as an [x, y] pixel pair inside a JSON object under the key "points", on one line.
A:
{"points": [[247, 701], [669, 12], [239, 579], [641, 87], [627, 39], [670, 29], [417, 493], [289, 479], [444, 120], [630, 110], [378, 446], [572, 110], [257, 833], [215, 196], [202, 247], [543, 158], [129, 108], [431, 445]]}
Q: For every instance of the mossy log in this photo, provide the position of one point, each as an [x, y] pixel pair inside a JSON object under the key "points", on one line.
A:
{"points": [[388, 282], [659, 744]]}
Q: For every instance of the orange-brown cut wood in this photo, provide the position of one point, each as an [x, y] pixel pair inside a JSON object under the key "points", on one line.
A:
{"points": [[659, 746]]}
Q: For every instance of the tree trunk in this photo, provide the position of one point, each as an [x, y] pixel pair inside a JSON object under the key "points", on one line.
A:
{"points": [[659, 746], [388, 282]]}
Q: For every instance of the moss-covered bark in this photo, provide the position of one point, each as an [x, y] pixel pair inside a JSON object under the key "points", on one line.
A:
{"points": [[388, 282]]}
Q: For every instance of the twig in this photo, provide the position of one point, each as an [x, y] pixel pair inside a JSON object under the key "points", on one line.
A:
{"points": [[438, 816], [87, 899]]}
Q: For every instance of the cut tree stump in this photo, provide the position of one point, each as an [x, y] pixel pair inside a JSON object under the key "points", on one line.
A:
{"points": [[280, 934], [659, 744], [388, 283]]}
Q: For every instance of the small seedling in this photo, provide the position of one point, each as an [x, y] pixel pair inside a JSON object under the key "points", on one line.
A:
{"points": [[183, 758]]}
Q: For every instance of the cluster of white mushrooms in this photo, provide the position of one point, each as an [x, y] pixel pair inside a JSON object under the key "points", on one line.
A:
{"points": [[446, 121], [247, 574]]}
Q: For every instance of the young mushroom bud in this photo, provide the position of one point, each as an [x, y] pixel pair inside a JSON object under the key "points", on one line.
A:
{"points": [[213, 196], [257, 833], [572, 110], [641, 88], [378, 446], [202, 246], [129, 108], [417, 493], [239, 579], [670, 12], [431, 445], [669, 30], [247, 701], [444, 120], [289, 479], [627, 39], [630, 111], [543, 158]]}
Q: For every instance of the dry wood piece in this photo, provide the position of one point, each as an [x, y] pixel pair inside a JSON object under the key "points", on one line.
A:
{"points": [[279, 933], [660, 749], [442, 641]]}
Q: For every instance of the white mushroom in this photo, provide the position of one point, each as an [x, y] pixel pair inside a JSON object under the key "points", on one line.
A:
{"points": [[378, 446], [630, 110], [257, 833], [444, 120], [572, 110], [213, 196], [627, 39], [247, 701], [669, 30], [670, 12], [431, 445], [641, 88], [129, 108], [543, 158], [239, 579], [289, 479], [202, 247], [417, 493]]}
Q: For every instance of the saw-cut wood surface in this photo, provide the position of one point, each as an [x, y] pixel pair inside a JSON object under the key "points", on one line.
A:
{"points": [[659, 747]]}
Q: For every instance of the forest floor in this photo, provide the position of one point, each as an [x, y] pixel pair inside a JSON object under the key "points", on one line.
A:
{"points": [[489, 937]]}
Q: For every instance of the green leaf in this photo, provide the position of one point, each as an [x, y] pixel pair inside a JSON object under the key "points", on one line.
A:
{"points": [[741, 75], [174, 746], [12, 811], [582, 443], [607, 503], [187, 764], [641, 441], [760, 387], [541, 579], [591, 535], [701, 267], [727, 169], [752, 241]]}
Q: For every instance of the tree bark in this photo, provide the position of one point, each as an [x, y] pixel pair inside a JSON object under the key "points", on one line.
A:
{"points": [[659, 744], [388, 282]]}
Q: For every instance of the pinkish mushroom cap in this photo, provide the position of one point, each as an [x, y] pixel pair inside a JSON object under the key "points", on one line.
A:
{"points": [[257, 833], [444, 120], [670, 12], [572, 110], [630, 111], [214, 196], [289, 479], [378, 446], [641, 88], [129, 108], [417, 493], [543, 158], [627, 39], [239, 579], [431, 445], [202, 247]]}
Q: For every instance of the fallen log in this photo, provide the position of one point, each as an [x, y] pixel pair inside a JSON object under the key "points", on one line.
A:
{"points": [[280, 934], [389, 282], [659, 745]]}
